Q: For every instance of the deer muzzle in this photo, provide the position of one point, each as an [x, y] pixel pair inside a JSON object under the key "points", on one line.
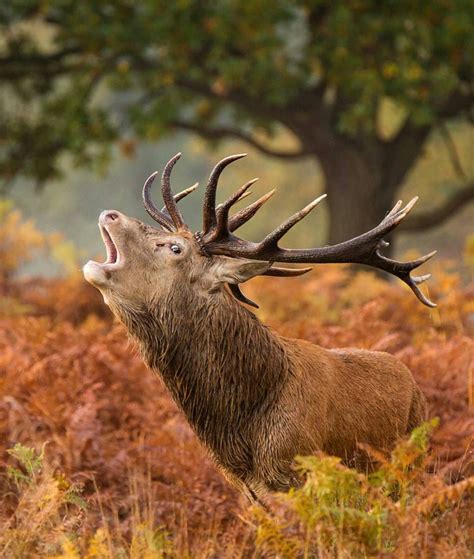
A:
{"points": [[98, 273]]}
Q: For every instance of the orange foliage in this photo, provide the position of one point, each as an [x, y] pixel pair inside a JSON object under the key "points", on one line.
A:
{"points": [[69, 376], [18, 240], [76, 382]]}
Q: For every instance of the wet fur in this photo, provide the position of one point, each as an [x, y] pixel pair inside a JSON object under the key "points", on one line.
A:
{"points": [[257, 399]]}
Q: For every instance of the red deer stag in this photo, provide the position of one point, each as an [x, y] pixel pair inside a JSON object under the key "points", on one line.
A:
{"points": [[254, 398]]}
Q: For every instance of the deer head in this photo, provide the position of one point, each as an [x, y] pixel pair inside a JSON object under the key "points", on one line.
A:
{"points": [[145, 263]]}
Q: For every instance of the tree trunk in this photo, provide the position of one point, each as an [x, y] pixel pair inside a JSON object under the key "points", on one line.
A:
{"points": [[357, 198]]}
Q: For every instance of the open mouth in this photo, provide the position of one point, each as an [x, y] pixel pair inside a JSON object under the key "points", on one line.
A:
{"points": [[113, 255], [99, 273], [113, 259]]}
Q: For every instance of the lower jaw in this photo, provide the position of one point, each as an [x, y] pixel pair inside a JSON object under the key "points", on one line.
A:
{"points": [[96, 274]]}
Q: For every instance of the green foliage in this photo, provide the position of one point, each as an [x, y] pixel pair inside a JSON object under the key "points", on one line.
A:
{"points": [[78, 76], [339, 512], [46, 505], [148, 541], [41, 522], [31, 461]]}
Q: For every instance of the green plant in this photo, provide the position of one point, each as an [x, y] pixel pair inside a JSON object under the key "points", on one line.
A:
{"points": [[47, 506], [29, 459], [339, 512]]}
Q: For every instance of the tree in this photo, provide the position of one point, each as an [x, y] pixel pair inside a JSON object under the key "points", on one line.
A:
{"points": [[79, 76]]}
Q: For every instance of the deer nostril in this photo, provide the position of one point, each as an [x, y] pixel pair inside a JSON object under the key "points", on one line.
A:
{"points": [[112, 216]]}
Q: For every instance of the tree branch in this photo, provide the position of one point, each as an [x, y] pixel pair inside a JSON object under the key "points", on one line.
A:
{"points": [[236, 97], [452, 151], [232, 95], [294, 115], [455, 104], [402, 151], [458, 201], [17, 67], [227, 132]]}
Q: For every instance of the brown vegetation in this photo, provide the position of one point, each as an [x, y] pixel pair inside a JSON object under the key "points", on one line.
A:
{"points": [[70, 378]]}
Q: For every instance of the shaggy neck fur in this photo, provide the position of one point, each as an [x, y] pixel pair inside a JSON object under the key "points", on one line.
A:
{"points": [[222, 366]]}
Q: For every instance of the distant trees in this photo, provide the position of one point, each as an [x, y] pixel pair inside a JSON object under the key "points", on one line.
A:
{"points": [[77, 77]]}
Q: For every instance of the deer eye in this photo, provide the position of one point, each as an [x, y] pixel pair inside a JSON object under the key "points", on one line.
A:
{"points": [[175, 248]]}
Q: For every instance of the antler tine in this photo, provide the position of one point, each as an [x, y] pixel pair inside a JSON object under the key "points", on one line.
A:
{"points": [[414, 282], [209, 207], [286, 272], [238, 194], [278, 272], [180, 196], [222, 213], [402, 271], [235, 289], [185, 192], [409, 266], [364, 249], [242, 197], [151, 209], [273, 238], [395, 209], [168, 197], [242, 216]]}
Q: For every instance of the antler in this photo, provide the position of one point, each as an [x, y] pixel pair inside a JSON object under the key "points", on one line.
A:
{"points": [[180, 196], [242, 216], [152, 210], [168, 198], [169, 217], [273, 271], [209, 217], [217, 238]]}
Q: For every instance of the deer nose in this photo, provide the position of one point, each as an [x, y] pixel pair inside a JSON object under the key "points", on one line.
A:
{"points": [[109, 216]]}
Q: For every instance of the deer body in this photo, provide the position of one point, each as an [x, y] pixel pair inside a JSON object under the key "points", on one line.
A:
{"points": [[257, 399], [254, 398]]}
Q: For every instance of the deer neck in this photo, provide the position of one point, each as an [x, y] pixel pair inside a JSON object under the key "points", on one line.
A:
{"points": [[222, 366]]}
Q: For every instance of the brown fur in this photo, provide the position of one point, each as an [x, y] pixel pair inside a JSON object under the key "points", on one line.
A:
{"points": [[257, 399]]}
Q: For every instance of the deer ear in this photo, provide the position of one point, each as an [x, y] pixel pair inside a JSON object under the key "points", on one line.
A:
{"points": [[237, 270]]}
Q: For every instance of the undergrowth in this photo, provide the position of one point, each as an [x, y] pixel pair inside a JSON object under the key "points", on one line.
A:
{"points": [[96, 460], [398, 509]]}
